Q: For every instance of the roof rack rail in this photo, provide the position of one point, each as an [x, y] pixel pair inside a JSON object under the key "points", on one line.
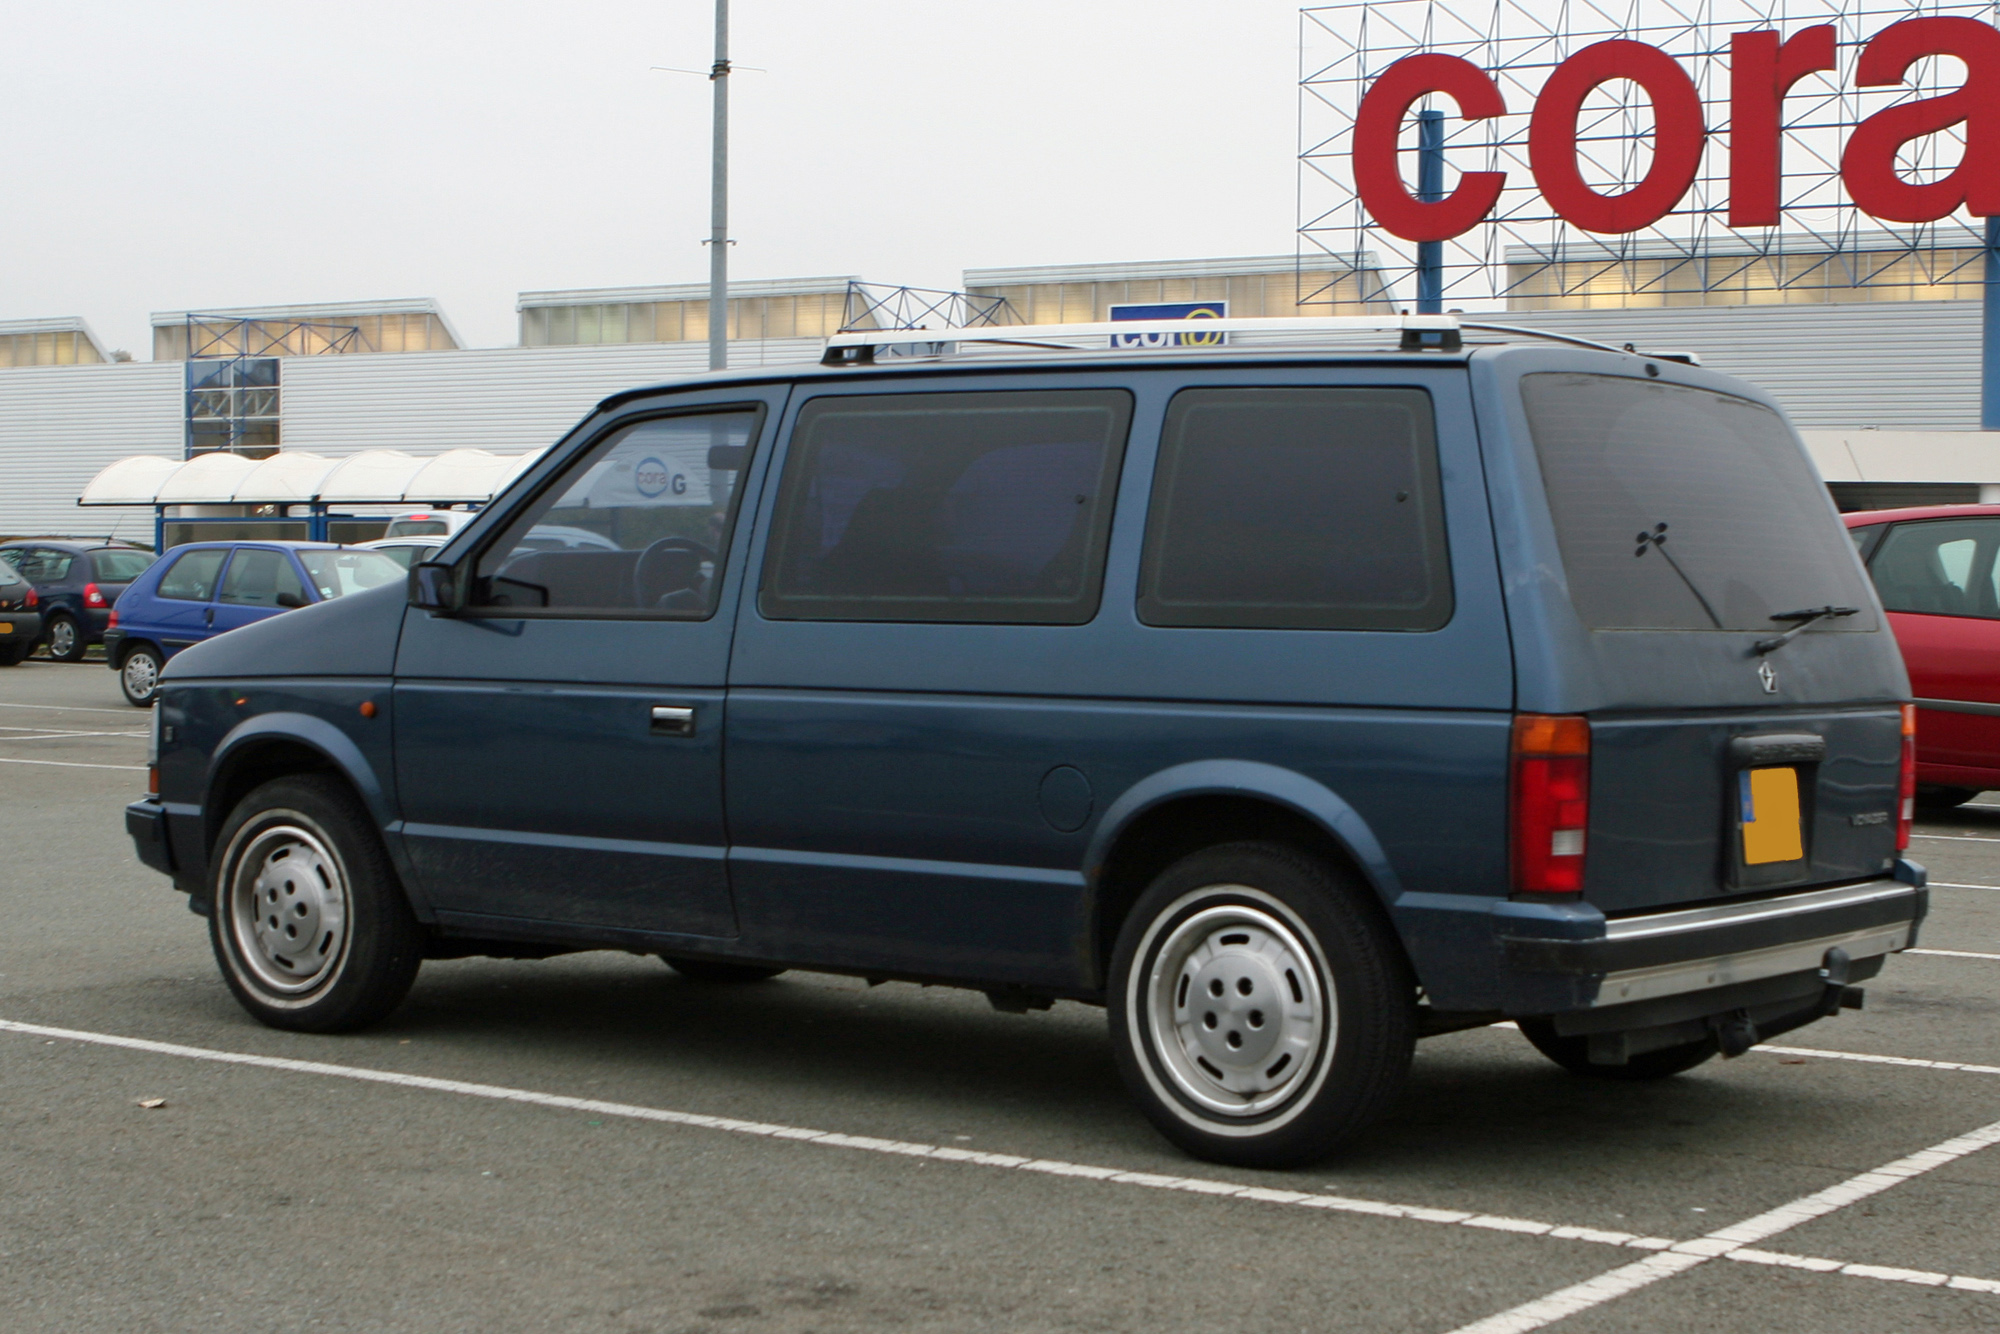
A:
{"points": [[1418, 333]]}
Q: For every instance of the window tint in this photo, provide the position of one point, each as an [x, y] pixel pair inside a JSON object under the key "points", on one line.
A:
{"points": [[1297, 509], [989, 507], [637, 527], [1944, 567], [7, 575], [192, 575], [44, 565], [119, 567], [336, 573], [1684, 509], [263, 578], [417, 528]]}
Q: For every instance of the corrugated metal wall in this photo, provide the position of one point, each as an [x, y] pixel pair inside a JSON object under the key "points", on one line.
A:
{"points": [[1911, 365], [60, 424], [1907, 365]]}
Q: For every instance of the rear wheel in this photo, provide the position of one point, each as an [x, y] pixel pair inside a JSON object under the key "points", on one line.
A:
{"points": [[307, 919], [1261, 1009], [139, 675], [65, 638], [717, 970], [1573, 1055], [1944, 798]]}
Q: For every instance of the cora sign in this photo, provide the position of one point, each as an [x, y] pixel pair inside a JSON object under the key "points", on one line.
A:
{"points": [[1763, 67]]}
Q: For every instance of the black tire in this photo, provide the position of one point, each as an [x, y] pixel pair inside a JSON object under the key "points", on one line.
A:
{"points": [[66, 640], [1573, 1055], [12, 655], [1944, 798], [719, 971], [1272, 1075], [139, 675], [307, 918]]}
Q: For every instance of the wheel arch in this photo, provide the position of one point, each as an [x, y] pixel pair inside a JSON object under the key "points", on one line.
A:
{"points": [[1178, 810], [279, 745]]}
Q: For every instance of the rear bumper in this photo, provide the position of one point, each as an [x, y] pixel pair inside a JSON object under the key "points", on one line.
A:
{"points": [[20, 625], [1565, 962], [1694, 949]]}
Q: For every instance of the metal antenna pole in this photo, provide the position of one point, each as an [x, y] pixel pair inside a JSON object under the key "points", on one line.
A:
{"points": [[718, 230]]}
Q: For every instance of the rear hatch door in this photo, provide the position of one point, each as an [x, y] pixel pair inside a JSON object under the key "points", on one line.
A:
{"points": [[1741, 744]]}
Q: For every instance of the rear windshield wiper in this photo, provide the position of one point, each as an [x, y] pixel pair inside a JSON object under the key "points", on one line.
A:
{"points": [[1806, 619], [1657, 541]]}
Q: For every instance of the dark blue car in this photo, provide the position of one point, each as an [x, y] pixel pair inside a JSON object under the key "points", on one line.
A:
{"points": [[200, 590], [1293, 702], [77, 581]]}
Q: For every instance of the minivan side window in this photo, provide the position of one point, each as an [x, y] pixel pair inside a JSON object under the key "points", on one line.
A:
{"points": [[984, 507], [191, 578], [638, 526], [263, 578], [1297, 508], [1944, 567]]}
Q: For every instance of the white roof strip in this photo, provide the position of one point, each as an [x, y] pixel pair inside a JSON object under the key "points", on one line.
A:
{"points": [[371, 477]]}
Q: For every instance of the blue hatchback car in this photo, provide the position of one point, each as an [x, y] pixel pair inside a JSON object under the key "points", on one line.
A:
{"points": [[1293, 700], [200, 590]]}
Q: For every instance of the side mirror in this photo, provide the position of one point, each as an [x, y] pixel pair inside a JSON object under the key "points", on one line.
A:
{"points": [[434, 587]]}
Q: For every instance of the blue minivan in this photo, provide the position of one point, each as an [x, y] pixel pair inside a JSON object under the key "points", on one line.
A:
{"points": [[1292, 699], [199, 590]]}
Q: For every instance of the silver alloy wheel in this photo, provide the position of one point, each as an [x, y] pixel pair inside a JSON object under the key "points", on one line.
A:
{"points": [[1235, 1009], [140, 674], [62, 637], [288, 909]]}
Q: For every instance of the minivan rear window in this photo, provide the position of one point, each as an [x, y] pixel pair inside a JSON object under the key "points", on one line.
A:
{"points": [[983, 507], [1679, 508]]}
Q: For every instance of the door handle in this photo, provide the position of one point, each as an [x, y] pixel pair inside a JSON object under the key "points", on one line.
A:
{"points": [[208, 616], [672, 720]]}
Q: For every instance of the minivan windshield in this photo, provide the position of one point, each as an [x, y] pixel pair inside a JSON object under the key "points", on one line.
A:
{"points": [[337, 573], [1686, 509]]}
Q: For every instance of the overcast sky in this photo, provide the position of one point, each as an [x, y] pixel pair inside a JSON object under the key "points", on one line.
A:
{"points": [[202, 154]]}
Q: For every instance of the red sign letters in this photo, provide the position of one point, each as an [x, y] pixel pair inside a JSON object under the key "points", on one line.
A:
{"points": [[1762, 70]]}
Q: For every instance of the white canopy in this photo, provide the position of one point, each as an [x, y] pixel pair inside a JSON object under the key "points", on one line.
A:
{"points": [[371, 477]]}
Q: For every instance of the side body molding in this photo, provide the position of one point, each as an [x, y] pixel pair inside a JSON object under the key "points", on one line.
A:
{"points": [[1256, 780]]}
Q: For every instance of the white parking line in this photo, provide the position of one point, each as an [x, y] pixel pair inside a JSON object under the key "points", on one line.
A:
{"points": [[1956, 954], [64, 708], [1958, 838], [77, 764], [1686, 1255], [1670, 1257], [44, 734], [1866, 1059], [1946, 884], [1921, 1277]]}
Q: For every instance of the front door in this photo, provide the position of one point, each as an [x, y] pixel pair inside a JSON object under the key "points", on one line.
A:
{"points": [[260, 582], [559, 743]]}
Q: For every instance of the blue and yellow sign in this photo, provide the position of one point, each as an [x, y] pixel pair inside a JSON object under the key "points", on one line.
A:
{"points": [[1172, 310]]}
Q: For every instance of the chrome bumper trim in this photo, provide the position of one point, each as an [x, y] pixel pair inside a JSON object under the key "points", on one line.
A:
{"points": [[1640, 984]]}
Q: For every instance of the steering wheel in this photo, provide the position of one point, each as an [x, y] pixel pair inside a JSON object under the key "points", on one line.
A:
{"points": [[668, 568]]}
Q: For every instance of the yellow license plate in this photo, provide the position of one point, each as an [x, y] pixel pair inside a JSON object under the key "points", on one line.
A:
{"points": [[1770, 816]]}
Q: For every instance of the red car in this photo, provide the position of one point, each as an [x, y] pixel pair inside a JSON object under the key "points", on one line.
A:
{"points": [[1935, 569]]}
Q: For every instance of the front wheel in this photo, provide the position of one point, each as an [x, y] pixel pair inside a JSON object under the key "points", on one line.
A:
{"points": [[307, 919], [66, 640], [1944, 798], [139, 676], [1262, 1012]]}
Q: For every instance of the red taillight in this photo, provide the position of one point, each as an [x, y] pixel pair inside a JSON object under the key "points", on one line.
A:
{"points": [[1551, 791], [112, 624], [1906, 789], [34, 598], [93, 596]]}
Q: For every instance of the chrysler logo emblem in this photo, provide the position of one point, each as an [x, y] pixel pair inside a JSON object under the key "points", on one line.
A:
{"points": [[1768, 676]]}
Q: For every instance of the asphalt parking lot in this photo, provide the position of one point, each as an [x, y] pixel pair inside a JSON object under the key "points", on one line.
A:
{"points": [[592, 1143]]}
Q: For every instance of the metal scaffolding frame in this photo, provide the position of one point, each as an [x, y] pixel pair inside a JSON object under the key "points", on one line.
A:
{"points": [[879, 306], [233, 372], [1825, 244]]}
